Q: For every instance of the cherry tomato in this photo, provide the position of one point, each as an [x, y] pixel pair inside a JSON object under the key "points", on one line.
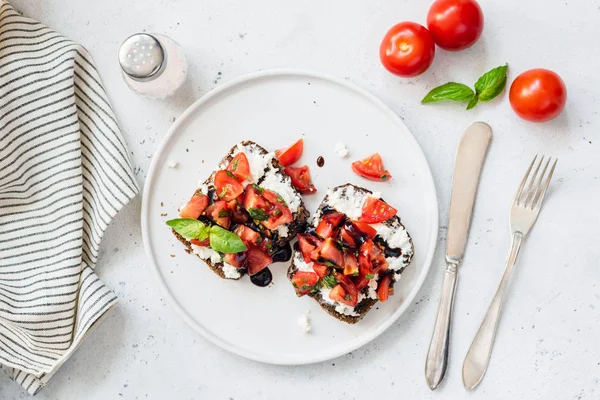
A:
{"points": [[375, 210], [538, 95], [407, 49], [351, 292], [290, 155], [278, 213], [219, 213], [321, 269], [256, 261], [239, 166], [304, 281], [383, 290], [301, 179], [228, 185], [372, 168], [455, 24]]}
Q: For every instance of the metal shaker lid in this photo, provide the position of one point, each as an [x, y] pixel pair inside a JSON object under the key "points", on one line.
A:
{"points": [[142, 57]]}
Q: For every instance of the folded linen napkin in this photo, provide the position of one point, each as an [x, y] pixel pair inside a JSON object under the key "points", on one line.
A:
{"points": [[64, 173]]}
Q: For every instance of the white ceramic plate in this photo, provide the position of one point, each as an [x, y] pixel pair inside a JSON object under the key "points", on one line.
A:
{"points": [[274, 109]]}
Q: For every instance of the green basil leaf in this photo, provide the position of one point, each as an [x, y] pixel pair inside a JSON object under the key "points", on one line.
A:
{"points": [[223, 241], [189, 228], [258, 214], [473, 102], [491, 84], [449, 91]]}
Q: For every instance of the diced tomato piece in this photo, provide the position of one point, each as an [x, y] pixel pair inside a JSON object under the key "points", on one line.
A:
{"points": [[278, 213], [238, 213], [195, 207], [219, 213], [307, 244], [248, 235], [254, 199], [301, 179], [383, 289], [375, 210], [328, 252], [321, 270], [257, 260], [350, 264], [347, 238], [351, 297], [365, 229], [227, 185], [239, 166], [360, 281], [329, 224], [338, 294], [372, 168], [304, 281], [237, 260], [203, 243], [290, 155], [371, 258]]}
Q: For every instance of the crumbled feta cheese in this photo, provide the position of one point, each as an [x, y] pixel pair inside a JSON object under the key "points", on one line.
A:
{"points": [[347, 200], [206, 253], [230, 271], [341, 149], [372, 288], [203, 187], [304, 322], [172, 164], [396, 263], [283, 230], [301, 264], [282, 185], [395, 236], [258, 162]]}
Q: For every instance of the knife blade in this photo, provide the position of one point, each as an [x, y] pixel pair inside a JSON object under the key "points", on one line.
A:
{"points": [[469, 159]]}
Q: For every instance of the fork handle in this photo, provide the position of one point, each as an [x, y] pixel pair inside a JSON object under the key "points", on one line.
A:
{"points": [[437, 357], [480, 352]]}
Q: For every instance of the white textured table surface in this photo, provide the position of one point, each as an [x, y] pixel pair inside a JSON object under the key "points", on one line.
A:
{"points": [[548, 339]]}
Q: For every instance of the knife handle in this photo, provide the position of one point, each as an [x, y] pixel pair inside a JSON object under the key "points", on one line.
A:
{"points": [[437, 357]]}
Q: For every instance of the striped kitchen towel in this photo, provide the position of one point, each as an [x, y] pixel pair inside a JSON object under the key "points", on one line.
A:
{"points": [[64, 173]]}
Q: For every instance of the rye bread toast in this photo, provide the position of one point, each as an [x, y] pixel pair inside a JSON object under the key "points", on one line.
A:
{"points": [[272, 168], [388, 228]]}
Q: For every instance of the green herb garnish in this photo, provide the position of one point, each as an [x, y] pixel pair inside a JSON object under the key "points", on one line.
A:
{"points": [[258, 214], [223, 214], [258, 188], [369, 276], [221, 240], [235, 164], [329, 281]]}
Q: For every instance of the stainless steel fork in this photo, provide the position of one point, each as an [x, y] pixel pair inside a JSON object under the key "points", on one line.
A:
{"points": [[523, 213]]}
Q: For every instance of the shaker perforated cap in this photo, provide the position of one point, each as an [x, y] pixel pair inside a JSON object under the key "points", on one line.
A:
{"points": [[142, 57]]}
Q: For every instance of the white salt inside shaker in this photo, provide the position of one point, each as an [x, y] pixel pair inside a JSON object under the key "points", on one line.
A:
{"points": [[152, 65]]}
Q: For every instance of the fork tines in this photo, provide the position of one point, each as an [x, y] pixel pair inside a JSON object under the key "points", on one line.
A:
{"points": [[532, 196]]}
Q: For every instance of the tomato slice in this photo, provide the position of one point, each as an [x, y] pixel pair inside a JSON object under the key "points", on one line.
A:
{"points": [[371, 258], [321, 270], [253, 198], [257, 260], [290, 155], [304, 281], [372, 168], [383, 289], [248, 235], [203, 243], [237, 260], [227, 185], [329, 224], [350, 264], [307, 244], [278, 212], [301, 179], [347, 238], [238, 213], [328, 252], [219, 213], [375, 211], [338, 294], [195, 207], [351, 297], [239, 166]]}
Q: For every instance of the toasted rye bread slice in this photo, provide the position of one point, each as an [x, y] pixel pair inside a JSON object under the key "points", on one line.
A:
{"points": [[365, 303], [274, 166]]}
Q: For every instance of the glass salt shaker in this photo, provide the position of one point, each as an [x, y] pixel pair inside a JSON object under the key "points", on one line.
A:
{"points": [[152, 65]]}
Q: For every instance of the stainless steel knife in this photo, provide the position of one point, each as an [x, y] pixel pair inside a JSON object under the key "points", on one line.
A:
{"points": [[470, 156]]}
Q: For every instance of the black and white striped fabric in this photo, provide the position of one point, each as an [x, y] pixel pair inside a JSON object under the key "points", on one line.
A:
{"points": [[64, 173]]}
